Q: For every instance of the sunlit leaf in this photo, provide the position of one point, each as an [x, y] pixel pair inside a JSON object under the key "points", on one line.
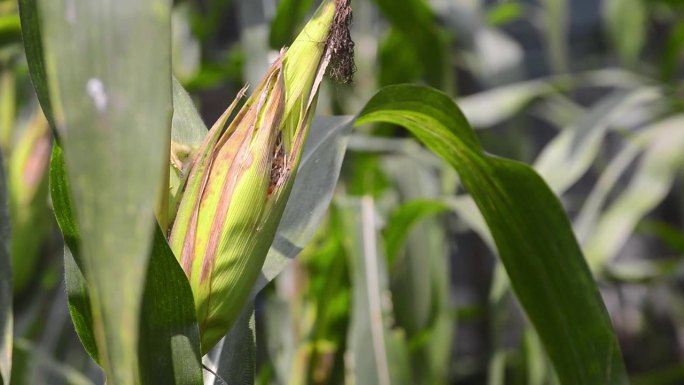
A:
{"points": [[651, 182], [533, 236]]}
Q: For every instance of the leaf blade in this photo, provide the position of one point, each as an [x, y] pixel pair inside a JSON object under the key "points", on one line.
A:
{"points": [[532, 233], [122, 91]]}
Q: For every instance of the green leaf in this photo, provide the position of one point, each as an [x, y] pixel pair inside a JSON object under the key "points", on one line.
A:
{"points": [[415, 22], [5, 284], [626, 26], [502, 13], [234, 359], [187, 126], [110, 92], [311, 194], [28, 197], [31, 31], [378, 354], [672, 53], [419, 266], [169, 345], [532, 233], [42, 365], [168, 348], [10, 29], [403, 219], [577, 146], [555, 23], [8, 108], [79, 302], [653, 178], [284, 26]]}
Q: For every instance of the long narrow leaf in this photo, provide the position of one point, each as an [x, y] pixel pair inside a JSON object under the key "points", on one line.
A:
{"points": [[654, 176], [544, 262], [110, 92], [168, 348], [378, 354], [31, 31], [5, 284]]}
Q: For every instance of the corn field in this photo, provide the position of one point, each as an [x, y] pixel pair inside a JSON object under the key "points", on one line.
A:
{"points": [[390, 192]]}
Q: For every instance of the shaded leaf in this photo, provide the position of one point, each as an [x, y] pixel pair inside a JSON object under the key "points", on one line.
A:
{"points": [[168, 349], [31, 31], [5, 283], [234, 358], [403, 218], [286, 21], [379, 355], [419, 267], [28, 197], [122, 91], [414, 20], [311, 194], [626, 22]]}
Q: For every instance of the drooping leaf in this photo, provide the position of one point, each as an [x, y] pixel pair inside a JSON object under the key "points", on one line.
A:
{"points": [[654, 176], [576, 147], [533, 236]]}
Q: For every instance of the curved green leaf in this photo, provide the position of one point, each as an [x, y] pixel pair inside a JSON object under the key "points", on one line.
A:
{"points": [[653, 178], [537, 247]]}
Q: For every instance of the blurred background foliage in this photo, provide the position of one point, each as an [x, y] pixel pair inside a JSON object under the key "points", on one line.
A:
{"points": [[588, 92]]}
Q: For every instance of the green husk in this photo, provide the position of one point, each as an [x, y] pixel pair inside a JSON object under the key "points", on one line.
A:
{"points": [[240, 179]]}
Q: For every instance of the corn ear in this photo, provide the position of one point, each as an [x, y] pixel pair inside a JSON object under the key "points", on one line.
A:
{"points": [[240, 179]]}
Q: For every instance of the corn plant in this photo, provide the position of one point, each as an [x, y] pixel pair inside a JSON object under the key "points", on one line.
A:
{"points": [[170, 229]]}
